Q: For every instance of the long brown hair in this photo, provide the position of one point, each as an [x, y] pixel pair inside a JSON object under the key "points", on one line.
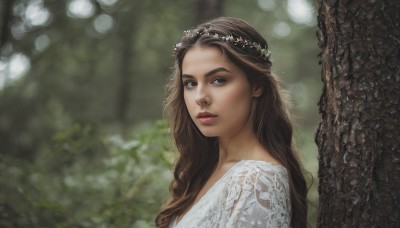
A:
{"points": [[198, 155]]}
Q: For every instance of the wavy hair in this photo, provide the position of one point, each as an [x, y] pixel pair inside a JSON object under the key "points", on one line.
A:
{"points": [[198, 155]]}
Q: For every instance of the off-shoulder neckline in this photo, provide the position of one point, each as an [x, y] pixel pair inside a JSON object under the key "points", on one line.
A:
{"points": [[228, 172], [262, 161]]}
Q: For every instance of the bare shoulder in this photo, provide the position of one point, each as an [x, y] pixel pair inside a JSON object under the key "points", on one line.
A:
{"points": [[261, 155]]}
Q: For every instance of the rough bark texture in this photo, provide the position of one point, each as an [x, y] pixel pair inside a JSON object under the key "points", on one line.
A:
{"points": [[358, 137], [208, 9]]}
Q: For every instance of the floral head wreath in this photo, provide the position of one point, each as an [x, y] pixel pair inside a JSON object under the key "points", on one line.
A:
{"points": [[264, 53]]}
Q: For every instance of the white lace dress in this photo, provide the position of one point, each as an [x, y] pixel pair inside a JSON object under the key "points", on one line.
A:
{"points": [[251, 194]]}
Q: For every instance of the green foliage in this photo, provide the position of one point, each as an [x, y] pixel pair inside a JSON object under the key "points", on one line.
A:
{"points": [[68, 157], [87, 179]]}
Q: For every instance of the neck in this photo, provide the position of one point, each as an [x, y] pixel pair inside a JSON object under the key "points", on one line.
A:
{"points": [[241, 146]]}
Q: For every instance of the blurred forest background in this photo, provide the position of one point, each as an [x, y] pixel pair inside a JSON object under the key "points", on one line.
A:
{"points": [[82, 140]]}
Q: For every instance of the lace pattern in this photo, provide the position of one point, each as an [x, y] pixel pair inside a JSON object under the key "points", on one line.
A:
{"points": [[251, 194]]}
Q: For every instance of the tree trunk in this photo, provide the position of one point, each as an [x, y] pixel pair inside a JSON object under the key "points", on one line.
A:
{"points": [[125, 79], [6, 15], [358, 137], [127, 35], [208, 9]]}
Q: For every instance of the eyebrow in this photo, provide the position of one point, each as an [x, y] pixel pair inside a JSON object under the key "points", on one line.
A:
{"points": [[208, 74]]}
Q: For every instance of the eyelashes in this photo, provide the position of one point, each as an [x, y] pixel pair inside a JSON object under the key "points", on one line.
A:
{"points": [[189, 84], [217, 81]]}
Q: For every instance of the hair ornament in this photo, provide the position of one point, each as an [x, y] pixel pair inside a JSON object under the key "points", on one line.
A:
{"points": [[264, 53]]}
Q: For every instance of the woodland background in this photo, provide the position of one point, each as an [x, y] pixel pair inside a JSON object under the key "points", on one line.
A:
{"points": [[82, 140]]}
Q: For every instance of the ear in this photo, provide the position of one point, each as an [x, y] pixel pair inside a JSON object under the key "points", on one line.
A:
{"points": [[257, 90]]}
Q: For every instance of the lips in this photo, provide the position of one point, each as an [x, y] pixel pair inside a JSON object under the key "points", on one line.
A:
{"points": [[206, 117]]}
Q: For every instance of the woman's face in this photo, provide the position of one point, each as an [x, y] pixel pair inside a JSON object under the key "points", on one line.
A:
{"points": [[216, 93]]}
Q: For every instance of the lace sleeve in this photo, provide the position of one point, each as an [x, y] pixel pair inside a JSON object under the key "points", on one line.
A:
{"points": [[257, 197]]}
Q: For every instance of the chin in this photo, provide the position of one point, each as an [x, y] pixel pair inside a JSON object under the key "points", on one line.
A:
{"points": [[208, 133]]}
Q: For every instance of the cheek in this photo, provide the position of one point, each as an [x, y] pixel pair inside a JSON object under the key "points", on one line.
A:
{"points": [[186, 99], [237, 97], [189, 103]]}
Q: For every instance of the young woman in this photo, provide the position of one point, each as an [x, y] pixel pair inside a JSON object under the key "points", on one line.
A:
{"points": [[237, 166]]}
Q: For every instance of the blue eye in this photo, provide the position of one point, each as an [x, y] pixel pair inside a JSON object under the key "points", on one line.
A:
{"points": [[189, 84]]}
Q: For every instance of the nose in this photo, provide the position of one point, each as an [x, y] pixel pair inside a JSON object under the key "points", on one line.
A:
{"points": [[202, 96]]}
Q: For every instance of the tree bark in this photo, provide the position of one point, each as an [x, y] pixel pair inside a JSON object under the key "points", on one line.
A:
{"points": [[208, 9], [358, 137]]}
